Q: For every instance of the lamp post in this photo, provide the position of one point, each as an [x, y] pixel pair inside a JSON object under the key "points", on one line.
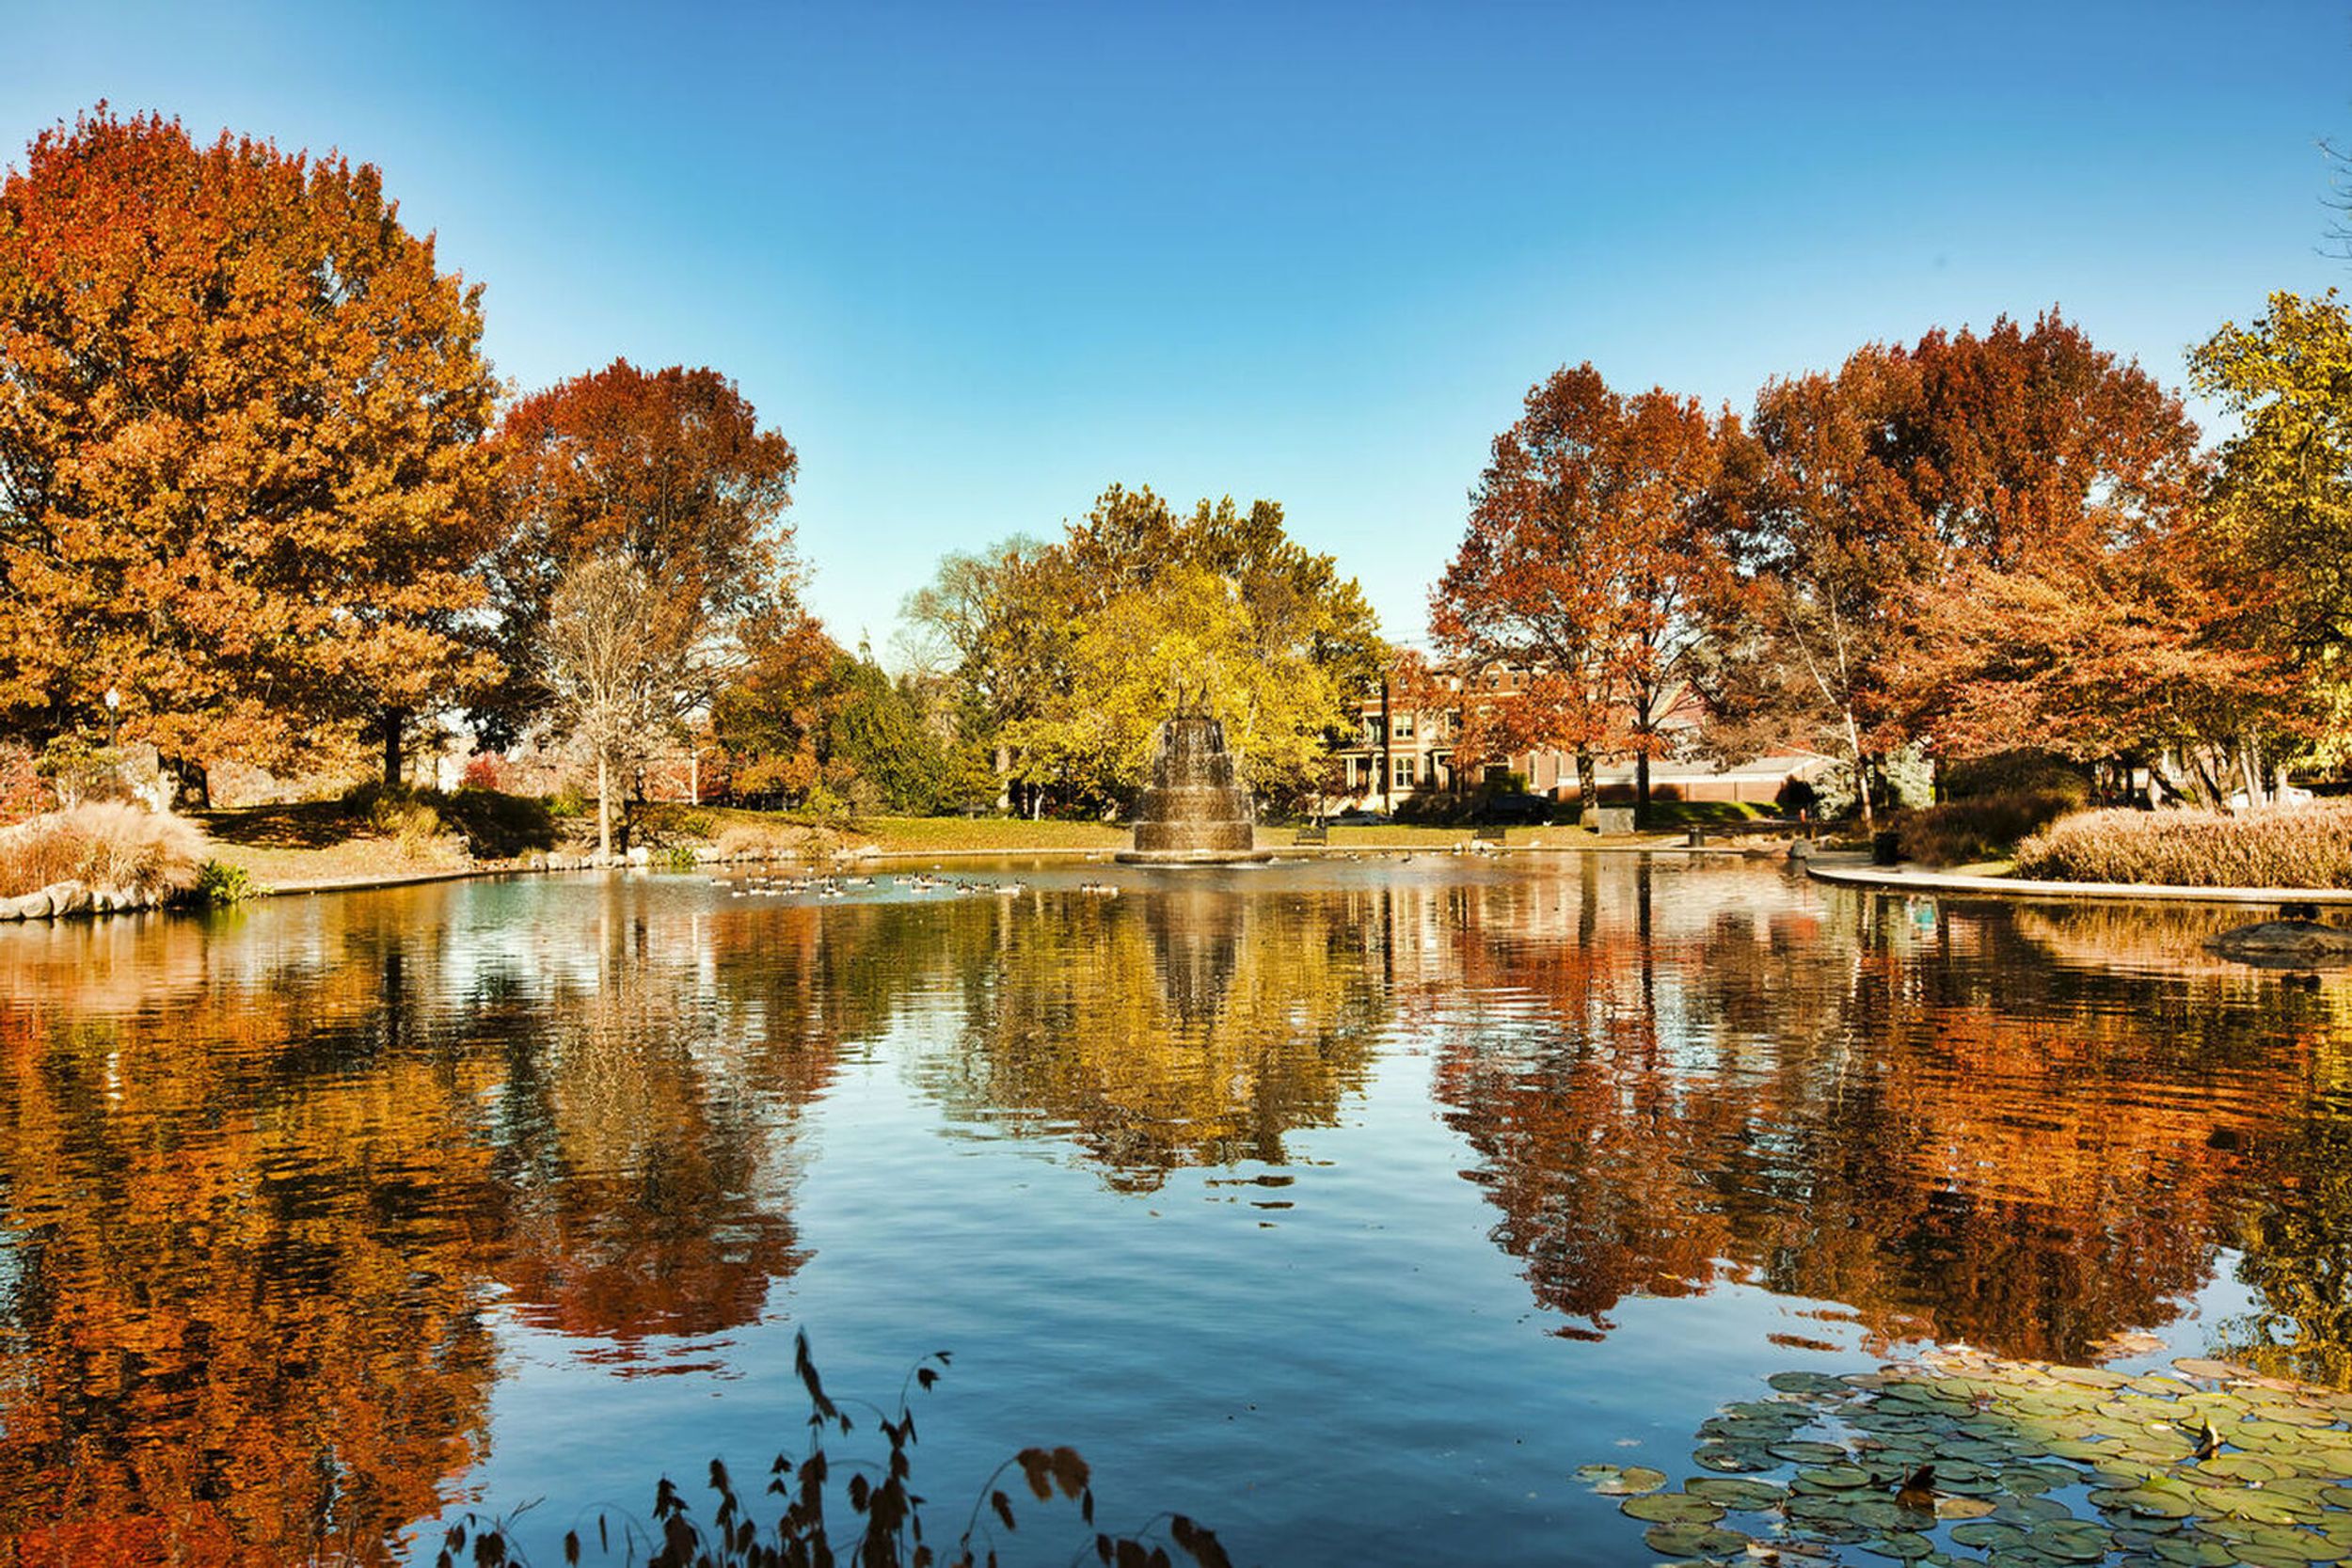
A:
{"points": [[114, 720]]}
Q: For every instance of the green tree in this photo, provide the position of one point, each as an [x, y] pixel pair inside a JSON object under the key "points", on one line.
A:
{"points": [[2282, 497], [1073, 653]]}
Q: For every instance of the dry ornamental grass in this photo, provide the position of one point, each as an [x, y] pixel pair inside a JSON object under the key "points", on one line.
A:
{"points": [[2285, 847], [110, 843]]}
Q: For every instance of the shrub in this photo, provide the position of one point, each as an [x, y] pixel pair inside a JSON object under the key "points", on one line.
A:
{"points": [[496, 826], [22, 792], [219, 882], [2017, 773], [483, 770], [107, 844], [2288, 847], [1983, 828]]}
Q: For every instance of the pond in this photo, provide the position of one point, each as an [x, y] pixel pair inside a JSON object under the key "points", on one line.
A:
{"points": [[1349, 1208]]}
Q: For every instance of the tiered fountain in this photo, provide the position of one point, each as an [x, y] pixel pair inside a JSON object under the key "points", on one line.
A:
{"points": [[1196, 812]]}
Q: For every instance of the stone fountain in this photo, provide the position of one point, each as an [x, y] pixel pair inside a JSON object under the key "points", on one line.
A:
{"points": [[1195, 812]]}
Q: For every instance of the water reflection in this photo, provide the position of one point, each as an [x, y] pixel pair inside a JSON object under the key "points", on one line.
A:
{"points": [[2029, 1132], [263, 1178], [1179, 1025], [274, 1185]]}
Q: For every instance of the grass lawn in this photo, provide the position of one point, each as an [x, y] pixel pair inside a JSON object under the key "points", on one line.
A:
{"points": [[318, 841], [325, 841]]}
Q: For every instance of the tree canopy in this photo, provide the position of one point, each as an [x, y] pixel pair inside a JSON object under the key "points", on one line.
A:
{"points": [[1074, 653], [242, 485], [669, 471], [1589, 559]]}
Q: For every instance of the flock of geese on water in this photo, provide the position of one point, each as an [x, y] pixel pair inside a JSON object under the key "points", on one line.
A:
{"points": [[758, 886], [826, 885]]}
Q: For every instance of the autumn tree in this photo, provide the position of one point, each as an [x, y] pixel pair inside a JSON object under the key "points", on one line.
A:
{"points": [[1574, 604], [1074, 651], [669, 471], [242, 484], [609, 662], [1916, 484]]}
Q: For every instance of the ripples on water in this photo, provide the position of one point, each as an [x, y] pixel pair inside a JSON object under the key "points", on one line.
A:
{"points": [[1347, 1207]]}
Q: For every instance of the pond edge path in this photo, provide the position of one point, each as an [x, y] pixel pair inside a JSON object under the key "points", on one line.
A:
{"points": [[1881, 880]]}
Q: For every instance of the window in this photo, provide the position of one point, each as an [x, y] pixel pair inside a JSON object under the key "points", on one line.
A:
{"points": [[1403, 773], [1405, 727]]}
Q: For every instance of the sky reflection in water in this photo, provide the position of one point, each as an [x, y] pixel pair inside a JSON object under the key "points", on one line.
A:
{"points": [[321, 1216]]}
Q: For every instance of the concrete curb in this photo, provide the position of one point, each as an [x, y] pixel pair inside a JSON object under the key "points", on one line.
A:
{"points": [[1878, 880]]}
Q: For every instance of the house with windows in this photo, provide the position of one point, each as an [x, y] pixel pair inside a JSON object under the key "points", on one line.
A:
{"points": [[1402, 754]]}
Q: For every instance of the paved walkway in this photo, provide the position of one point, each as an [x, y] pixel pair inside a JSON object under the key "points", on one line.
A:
{"points": [[1906, 880]]}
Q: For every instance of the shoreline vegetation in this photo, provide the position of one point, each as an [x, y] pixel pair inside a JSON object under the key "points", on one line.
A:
{"points": [[116, 857]]}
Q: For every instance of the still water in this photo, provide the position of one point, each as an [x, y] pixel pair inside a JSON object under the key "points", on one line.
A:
{"points": [[1349, 1208]]}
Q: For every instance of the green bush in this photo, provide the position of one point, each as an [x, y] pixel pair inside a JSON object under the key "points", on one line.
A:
{"points": [[218, 882], [498, 826], [2018, 772], [2286, 847], [1984, 828]]}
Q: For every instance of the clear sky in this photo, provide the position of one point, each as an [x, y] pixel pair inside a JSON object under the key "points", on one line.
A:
{"points": [[977, 262]]}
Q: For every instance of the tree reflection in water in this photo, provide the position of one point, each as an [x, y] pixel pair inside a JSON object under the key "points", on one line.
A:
{"points": [[270, 1182], [1179, 1025], [257, 1196], [2032, 1149]]}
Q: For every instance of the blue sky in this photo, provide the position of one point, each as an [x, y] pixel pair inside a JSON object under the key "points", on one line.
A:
{"points": [[979, 263]]}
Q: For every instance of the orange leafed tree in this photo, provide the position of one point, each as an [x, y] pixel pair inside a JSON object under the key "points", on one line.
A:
{"points": [[1924, 522], [242, 482], [1589, 553], [667, 469]]}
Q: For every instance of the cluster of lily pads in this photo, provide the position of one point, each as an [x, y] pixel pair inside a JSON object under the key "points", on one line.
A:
{"points": [[1965, 1458]]}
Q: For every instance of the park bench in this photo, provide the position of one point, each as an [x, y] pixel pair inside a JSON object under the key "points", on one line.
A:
{"points": [[1315, 833]]}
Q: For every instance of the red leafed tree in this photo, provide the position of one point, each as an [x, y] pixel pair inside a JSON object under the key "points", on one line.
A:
{"points": [[1572, 604], [1893, 512], [242, 484], [669, 471]]}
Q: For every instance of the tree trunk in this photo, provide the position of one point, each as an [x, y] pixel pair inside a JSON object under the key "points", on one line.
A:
{"points": [[1587, 792], [1861, 772], [191, 781], [395, 731], [604, 805], [1640, 797]]}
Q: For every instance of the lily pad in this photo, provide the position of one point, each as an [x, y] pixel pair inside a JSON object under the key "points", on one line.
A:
{"points": [[1988, 1534], [1806, 1382], [2145, 1501], [1805, 1452], [2069, 1539], [1963, 1507], [2198, 1366], [1671, 1508], [2194, 1552], [1688, 1541], [1903, 1545], [1836, 1477], [1746, 1497], [1735, 1458], [1612, 1480]]}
